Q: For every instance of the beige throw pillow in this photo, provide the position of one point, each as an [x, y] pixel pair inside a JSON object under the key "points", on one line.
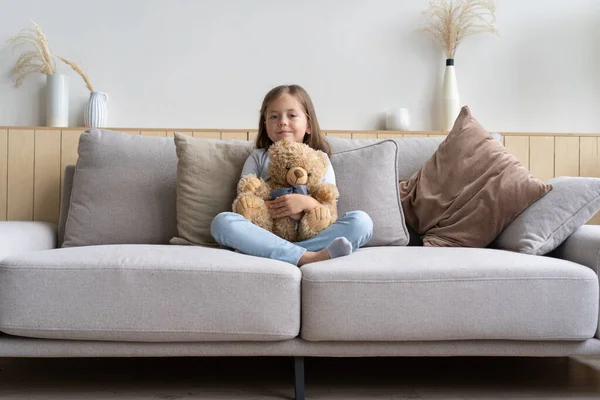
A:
{"points": [[469, 190], [207, 176]]}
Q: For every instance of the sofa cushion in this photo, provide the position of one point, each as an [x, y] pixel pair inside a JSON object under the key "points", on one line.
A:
{"points": [[424, 293], [367, 180], [208, 172], [545, 224], [123, 190], [149, 293], [469, 190]]}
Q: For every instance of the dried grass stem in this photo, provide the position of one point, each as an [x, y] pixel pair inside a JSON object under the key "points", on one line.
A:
{"points": [[77, 69], [451, 21], [39, 60]]}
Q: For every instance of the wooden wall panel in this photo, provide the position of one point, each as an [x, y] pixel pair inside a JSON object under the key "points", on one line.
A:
{"points": [[589, 163], [68, 148], [207, 135], [541, 157], [566, 156], [46, 180], [234, 135], [3, 173], [363, 136], [32, 160], [21, 147], [589, 156], [389, 135], [343, 135], [518, 146]]}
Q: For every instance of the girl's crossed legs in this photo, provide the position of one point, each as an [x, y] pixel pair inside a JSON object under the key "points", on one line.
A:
{"points": [[236, 232]]}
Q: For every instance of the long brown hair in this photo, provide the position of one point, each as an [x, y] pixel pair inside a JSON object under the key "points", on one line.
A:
{"points": [[315, 139]]}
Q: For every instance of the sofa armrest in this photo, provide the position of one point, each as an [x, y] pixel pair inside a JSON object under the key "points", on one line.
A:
{"points": [[23, 236], [582, 247]]}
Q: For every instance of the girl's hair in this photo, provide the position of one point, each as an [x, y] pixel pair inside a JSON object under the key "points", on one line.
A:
{"points": [[315, 139]]}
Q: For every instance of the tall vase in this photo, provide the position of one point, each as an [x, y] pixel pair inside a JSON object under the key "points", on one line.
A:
{"points": [[450, 97], [95, 114], [57, 100]]}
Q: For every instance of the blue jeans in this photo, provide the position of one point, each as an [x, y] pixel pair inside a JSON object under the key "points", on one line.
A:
{"points": [[236, 232]]}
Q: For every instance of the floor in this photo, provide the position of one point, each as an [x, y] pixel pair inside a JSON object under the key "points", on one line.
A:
{"points": [[329, 378]]}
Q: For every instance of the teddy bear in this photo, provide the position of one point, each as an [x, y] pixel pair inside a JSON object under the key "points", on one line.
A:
{"points": [[293, 168]]}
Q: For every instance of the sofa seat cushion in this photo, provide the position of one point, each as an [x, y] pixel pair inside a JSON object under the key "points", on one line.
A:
{"points": [[424, 294], [149, 293]]}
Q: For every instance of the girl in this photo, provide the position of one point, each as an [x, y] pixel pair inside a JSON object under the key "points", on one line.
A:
{"points": [[287, 113]]}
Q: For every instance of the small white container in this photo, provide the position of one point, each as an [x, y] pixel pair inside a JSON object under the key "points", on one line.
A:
{"points": [[397, 119]]}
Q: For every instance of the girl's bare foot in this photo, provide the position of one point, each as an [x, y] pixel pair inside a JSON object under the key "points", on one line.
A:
{"points": [[313, 256]]}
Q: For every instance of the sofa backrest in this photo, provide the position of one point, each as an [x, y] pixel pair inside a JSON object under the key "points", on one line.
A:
{"points": [[65, 202], [413, 152]]}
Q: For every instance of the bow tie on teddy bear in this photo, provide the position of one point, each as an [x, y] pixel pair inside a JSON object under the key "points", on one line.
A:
{"points": [[296, 189]]}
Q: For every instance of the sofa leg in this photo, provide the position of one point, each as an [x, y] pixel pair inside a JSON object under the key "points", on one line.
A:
{"points": [[299, 378]]}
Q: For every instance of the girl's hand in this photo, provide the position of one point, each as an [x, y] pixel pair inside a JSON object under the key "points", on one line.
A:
{"points": [[291, 205]]}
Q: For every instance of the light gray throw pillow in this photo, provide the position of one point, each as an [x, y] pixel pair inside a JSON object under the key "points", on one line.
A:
{"points": [[367, 180], [412, 152], [123, 190], [545, 224]]}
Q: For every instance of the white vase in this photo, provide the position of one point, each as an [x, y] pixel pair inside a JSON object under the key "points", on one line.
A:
{"points": [[95, 114], [450, 97], [57, 100], [397, 119]]}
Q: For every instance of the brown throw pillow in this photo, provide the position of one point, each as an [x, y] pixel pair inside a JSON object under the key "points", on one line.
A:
{"points": [[207, 176], [469, 190]]}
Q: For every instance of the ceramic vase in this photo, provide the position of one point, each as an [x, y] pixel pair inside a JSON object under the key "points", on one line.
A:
{"points": [[57, 100], [95, 113]]}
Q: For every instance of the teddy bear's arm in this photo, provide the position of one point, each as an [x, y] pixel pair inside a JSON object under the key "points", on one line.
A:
{"points": [[325, 193], [322, 216], [264, 191], [248, 184], [257, 186]]}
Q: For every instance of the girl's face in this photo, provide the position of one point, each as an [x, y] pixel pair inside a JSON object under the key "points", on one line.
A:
{"points": [[285, 119]]}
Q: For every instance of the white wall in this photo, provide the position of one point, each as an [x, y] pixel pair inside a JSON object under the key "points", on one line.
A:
{"points": [[208, 63]]}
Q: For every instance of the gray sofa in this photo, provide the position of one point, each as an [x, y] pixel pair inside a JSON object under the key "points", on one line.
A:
{"points": [[159, 300]]}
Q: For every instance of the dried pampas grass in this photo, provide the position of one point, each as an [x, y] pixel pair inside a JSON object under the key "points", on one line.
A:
{"points": [[33, 61], [77, 69], [451, 21]]}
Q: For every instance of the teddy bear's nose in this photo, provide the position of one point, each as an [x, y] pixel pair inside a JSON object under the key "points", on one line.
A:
{"points": [[298, 173]]}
